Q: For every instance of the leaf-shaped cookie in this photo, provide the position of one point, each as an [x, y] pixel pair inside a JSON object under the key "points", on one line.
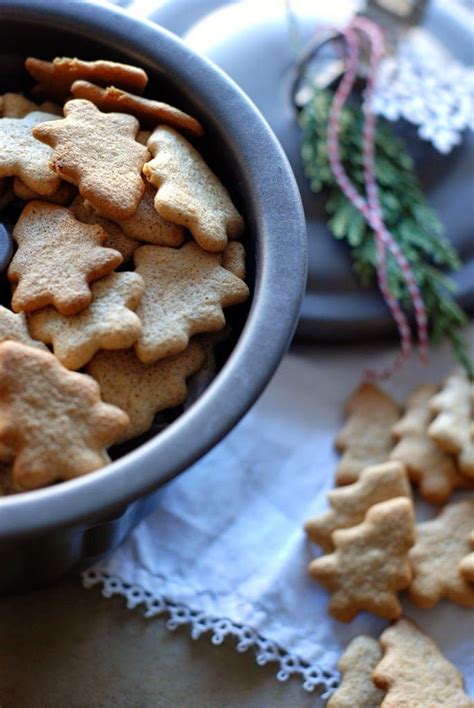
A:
{"points": [[57, 258], [116, 238], [189, 193], [108, 322], [433, 469], [357, 689], [144, 389], [414, 673], [99, 154], [185, 291], [21, 155], [441, 544], [350, 503], [366, 438], [53, 419], [370, 563]]}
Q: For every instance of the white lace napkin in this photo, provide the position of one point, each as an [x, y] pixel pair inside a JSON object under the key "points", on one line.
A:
{"points": [[225, 551]]}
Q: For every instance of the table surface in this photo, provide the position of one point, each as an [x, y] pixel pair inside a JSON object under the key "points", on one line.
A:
{"points": [[66, 647]]}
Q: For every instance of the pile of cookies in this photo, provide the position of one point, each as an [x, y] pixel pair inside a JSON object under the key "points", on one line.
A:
{"points": [[374, 548], [122, 268]]}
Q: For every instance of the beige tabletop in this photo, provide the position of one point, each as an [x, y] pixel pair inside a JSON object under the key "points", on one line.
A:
{"points": [[66, 647]]}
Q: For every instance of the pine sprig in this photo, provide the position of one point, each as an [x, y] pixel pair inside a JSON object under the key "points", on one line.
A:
{"points": [[408, 217]]}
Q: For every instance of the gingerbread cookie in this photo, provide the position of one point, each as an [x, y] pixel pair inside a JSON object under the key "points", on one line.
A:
{"points": [[149, 113], [21, 155], [144, 389], [15, 105], [116, 238], [370, 562], [453, 427], [108, 323], [99, 154], [466, 566], [185, 291], [366, 438], [233, 259], [189, 193], [357, 689], [147, 225], [57, 258], [14, 327], [53, 419], [434, 470], [414, 673], [64, 194], [349, 504], [441, 545], [56, 78]]}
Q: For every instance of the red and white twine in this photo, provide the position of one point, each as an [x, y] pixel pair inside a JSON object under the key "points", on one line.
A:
{"points": [[370, 207]]}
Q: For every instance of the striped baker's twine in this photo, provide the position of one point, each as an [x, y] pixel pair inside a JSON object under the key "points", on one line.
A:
{"points": [[370, 208]]}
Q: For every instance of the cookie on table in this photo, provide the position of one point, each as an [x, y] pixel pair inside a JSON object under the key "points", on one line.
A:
{"points": [[56, 78], [441, 544], [369, 565], [466, 565], [350, 503], [116, 237], [189, 193], [56, 259], [21, 155], [147, 225], [142, 390], [414, 673], [99, 154], [186, 290], [357, 689], [52, 418], [431, 468], [108, 323], [453, 427], [150, 113], [366, 437]]}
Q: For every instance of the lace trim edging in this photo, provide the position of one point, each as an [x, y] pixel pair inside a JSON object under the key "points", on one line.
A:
{"points": [[265, 650]]}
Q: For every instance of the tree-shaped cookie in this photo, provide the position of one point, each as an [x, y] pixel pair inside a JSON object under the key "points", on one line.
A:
{"points": [[14, 327], [357, 689], [21, 155], [366, 438], [189, 193], [453, 427], [370, 562], [57, 258], [185, 291], [99, 154], [441, 544], [434, 470], [108, 322], [466, 566], [144, 389], [414, 673], [349, 504], [53, 419]]}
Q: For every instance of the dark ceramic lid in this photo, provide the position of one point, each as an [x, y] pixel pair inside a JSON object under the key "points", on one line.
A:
{"points": [[251, 42]]}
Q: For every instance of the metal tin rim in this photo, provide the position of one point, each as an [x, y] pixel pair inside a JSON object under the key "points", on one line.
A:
{"points": [[279, 285]]}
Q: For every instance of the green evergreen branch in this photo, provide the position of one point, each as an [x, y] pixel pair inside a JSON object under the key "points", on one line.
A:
{"points": [[408, 217]]}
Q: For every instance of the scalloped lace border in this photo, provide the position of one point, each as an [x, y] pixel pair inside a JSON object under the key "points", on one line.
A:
{"points": [[265, 650]]}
